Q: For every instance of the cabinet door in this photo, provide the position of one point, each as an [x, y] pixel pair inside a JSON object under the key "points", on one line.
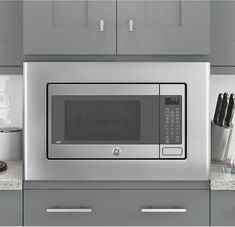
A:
{"points": [[223, 33], [10, 208], [10, 33], [174, 27], [69, 27], [222, 208]]}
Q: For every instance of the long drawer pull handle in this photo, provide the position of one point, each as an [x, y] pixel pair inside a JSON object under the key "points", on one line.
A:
{"points": [[63, 210], [154, 210]]}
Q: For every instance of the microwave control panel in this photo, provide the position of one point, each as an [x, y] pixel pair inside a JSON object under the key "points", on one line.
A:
{"points": [[172, 121]]}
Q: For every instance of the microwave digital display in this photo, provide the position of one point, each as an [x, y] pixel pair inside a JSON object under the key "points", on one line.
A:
{"points": [[172, 100]]}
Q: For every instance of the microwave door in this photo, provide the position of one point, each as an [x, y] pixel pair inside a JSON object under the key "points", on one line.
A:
{"points": [[103, 121]]}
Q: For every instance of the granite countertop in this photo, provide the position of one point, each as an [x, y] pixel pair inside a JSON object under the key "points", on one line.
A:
{"points": [[221, 177], [12, 178]]}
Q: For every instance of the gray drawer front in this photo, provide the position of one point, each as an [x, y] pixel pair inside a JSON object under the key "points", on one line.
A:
{"points": [[116, 207], [223, 208]]}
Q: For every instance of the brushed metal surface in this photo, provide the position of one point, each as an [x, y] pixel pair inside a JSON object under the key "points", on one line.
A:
{"points": [[93, 151], [195, 75], [100, 151]]}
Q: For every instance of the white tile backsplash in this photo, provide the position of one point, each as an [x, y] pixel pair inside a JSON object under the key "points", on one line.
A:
{"points": [[221, 84], [11, 100], [4, 99]]}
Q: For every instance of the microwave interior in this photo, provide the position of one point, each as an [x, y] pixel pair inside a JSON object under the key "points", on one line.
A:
{"points": [[116, 121]]}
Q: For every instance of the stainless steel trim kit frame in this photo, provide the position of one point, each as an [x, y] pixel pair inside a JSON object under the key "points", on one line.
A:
{"points": [[145, 76]]}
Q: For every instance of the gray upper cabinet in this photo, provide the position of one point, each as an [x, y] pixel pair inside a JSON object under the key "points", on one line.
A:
{"points": [[144, 27], [222, 33], [175, 27], [10, 33], [69, 27]]}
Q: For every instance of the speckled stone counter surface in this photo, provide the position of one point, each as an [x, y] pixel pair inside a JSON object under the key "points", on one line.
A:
{"points": [[11, 179], [221, 177]]}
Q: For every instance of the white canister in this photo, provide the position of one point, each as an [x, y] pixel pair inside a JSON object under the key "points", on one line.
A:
{"points": [[11, 144]]}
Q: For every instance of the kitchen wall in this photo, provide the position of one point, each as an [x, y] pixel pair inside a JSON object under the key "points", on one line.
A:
{"points": [[11, 100], [221, 84]]}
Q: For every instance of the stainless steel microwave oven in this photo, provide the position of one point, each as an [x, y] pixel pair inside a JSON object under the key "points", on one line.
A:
{"points": [[116, 121]]}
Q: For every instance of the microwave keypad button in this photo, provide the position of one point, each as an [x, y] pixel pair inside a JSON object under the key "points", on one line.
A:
{"points": [[172, 151]]}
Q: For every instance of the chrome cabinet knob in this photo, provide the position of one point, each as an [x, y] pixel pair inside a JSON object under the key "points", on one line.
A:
{"points": [[131, 25], [102, 23]]}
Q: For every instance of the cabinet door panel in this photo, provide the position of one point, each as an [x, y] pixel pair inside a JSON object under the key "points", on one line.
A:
{"points": [[10, 33], [222, 208], [69, 27], [11, 208], [223, 33], [172, 27]]}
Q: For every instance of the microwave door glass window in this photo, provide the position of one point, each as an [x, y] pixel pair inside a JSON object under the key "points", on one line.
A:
{"points": [[105, 119], [102, 121]]}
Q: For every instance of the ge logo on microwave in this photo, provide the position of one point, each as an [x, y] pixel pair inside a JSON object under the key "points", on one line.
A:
{"points": [[116, 151]]}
